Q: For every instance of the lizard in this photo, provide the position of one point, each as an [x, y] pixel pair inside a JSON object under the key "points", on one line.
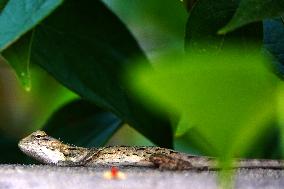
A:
{"points": [[49, 150]]}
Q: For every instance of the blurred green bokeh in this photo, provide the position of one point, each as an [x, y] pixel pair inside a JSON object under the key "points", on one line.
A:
{"points": [[227, 96]]}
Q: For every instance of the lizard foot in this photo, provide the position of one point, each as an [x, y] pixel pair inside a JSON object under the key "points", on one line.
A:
{"points": [[166, 162]]}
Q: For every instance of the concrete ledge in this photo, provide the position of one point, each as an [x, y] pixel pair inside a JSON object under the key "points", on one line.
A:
{"points": [[44, 176]]}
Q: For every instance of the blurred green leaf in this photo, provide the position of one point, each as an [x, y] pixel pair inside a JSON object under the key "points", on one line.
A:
{"points": [[252, 11], [86, 47], [20, 16], [82, 123], [274, 42], [207, 17], [228, 96], [18, 56]]}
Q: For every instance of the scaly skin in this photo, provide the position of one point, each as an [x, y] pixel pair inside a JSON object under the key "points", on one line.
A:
{"points": [[49, 150]]}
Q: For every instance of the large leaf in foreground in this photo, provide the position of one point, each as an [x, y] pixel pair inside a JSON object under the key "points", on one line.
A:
{"points": [[82, 123], [252, 11], [86, 47], [20, 16], [207, 17], [229, 97]]}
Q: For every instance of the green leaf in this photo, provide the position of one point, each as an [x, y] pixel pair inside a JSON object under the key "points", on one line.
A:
{"points": [[86, 47], [254, 10], [20, 16], [207, 17], [82, 123], [227, 96], [18, 56]]}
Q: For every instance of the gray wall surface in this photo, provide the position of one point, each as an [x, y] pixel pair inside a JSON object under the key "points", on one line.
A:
{"points": [[44, 176]]}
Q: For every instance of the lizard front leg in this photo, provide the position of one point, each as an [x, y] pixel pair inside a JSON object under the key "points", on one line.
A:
{"points": [[166, 162]]}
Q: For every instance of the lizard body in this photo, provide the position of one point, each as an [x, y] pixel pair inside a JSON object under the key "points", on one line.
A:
{"points": [[49, 150]]}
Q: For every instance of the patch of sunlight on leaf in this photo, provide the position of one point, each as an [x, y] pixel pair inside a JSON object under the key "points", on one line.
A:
{"points": [[228, 96]]}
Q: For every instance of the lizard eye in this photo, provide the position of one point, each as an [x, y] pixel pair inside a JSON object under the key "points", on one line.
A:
{"points": [[38, 136]]}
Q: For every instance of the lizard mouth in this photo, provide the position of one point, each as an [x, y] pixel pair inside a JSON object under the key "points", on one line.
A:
{"points": [[26, 147], [41, 153], [23, 146]]}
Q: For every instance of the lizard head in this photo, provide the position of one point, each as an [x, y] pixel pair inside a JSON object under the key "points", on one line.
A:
{"points": [[43, 148]]}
